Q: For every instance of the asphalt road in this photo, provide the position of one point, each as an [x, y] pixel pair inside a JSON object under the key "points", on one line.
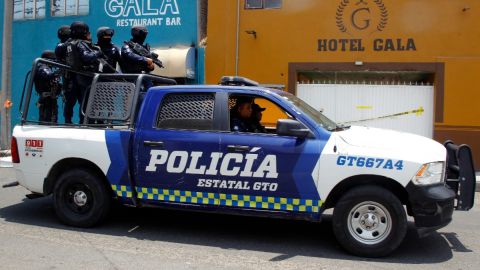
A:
{"points": [[32, 238]]}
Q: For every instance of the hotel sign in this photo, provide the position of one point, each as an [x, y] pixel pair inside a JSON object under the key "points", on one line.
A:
{"points": [[363, 18]]}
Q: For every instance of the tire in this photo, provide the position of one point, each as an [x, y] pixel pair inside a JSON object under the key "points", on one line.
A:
{"points": [[369, 221], [81, 198]]}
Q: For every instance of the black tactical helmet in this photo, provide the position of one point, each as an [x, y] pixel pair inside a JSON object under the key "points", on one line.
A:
{"points": [[48, 55], [105, 31], [139, 33], [79, 29], [63, 33]]}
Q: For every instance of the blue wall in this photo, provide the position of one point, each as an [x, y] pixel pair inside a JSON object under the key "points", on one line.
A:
{"points": [[31, 37]]}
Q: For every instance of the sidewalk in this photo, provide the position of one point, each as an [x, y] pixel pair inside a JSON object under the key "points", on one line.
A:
{"points": [[6, 162], [5, 159]]}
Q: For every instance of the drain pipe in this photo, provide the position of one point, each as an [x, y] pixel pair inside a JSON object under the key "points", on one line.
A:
{"points": [[5, 90], [237, 49]]}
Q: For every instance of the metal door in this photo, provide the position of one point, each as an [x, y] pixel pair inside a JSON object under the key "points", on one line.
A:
{"points": [[407, 108]]}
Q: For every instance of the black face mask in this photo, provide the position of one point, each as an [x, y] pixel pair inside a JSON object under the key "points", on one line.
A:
{"points": [[139, 38], [105, 41]]}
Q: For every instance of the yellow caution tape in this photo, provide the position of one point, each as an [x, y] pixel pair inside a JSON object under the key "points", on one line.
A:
{"points": [[364, 107], [417, 112]]}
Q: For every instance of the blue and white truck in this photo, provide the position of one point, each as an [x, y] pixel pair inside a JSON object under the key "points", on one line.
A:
{"points": [[172, 146]]}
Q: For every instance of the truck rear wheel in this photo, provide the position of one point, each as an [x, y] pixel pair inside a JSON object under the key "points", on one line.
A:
{"points": [[369, 221], [81, 198]]}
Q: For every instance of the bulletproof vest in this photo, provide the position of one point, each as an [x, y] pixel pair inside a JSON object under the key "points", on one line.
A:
{"points": [[112, 53], [61, 52], [73, 55], [42, 83]]}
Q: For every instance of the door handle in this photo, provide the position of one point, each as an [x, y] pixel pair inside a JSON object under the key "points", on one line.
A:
{"points": [[151, 143], [238, 148]]}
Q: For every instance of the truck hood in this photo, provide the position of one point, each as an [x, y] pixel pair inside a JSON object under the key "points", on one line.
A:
{"points": [[406, 144]]}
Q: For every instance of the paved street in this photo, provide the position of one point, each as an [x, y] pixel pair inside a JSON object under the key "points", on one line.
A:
{"points": [[32, 238]]}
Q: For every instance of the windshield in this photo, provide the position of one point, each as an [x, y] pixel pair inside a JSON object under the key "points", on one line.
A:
{"points": [[317, 116]]}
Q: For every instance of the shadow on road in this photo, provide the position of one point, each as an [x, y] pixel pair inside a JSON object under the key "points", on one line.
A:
{"points": [[285, 237]]}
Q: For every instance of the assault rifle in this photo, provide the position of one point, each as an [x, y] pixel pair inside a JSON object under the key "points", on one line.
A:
{"points": [[103, 60], [140, 50]]}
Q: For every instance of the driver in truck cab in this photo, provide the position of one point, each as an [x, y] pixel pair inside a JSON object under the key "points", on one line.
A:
{"points": [[240, 115]]}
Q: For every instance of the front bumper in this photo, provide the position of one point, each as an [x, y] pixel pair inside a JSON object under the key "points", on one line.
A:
{"points": [[431, 206]]}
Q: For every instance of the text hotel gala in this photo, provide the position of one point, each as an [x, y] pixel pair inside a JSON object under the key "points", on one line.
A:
{"points": [[408, 65]]}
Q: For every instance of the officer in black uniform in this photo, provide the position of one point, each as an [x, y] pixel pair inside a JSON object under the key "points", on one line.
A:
{"points": [[82, 56], [111, 52], [256, 118], [63, 34], [240, 115], [132, 62], [47, 85]]}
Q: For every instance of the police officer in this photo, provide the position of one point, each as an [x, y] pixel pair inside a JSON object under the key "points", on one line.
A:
{"points": [[132, 61], [63, 34], [111, 52], [82, 56], [47, 85], [256, 118], [240, 115]]}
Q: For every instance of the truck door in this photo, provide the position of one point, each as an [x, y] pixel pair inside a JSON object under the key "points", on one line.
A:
{"points": [[173, 149], [276, 173]]}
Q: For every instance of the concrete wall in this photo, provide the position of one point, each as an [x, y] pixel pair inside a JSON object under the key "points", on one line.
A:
{"points": [[1, 39]]}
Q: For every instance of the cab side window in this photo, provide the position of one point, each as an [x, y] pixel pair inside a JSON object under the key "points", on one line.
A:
{"points": [[253, 114], [187, 111]]}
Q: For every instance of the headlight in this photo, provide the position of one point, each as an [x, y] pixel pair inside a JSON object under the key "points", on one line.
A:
{"points": [[430, 173]]}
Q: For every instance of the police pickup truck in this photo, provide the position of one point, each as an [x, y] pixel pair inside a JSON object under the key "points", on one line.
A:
{"points": [[173, 146]]}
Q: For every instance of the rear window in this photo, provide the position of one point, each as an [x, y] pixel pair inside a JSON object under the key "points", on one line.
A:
{"points": [[187, 112]]}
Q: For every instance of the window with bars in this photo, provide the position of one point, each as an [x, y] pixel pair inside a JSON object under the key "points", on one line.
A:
{"points": [[187, 112], [28, 9], [62, 8], [263, 4]]}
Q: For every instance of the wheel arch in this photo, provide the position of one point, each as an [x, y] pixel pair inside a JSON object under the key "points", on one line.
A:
{"points": [[359, 180], [67, 164]]}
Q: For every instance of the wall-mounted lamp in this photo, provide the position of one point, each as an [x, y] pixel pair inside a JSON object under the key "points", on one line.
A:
{"points": [[358, 63], [252, 32], [466, 8]]}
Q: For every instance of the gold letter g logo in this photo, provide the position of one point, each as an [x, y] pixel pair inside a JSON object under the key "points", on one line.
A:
{"points": [[363, 24]]}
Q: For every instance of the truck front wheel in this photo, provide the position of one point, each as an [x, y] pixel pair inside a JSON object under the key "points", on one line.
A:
{"points": [[369, 221], [81, 198]]}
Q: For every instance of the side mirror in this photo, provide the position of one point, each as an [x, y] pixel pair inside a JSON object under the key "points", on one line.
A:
{"points": [[289, 127]]}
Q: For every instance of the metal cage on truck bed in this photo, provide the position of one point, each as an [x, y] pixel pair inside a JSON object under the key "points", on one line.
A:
{"points": [[112, 99]]}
